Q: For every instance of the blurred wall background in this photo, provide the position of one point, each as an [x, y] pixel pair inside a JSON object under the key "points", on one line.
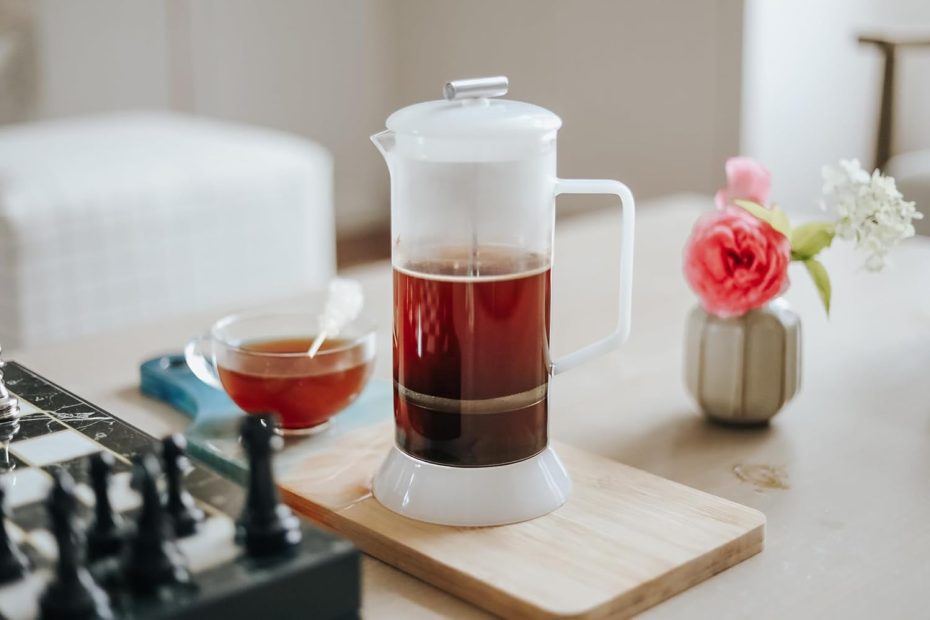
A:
{"points": [[649, 91], [654, 92]]}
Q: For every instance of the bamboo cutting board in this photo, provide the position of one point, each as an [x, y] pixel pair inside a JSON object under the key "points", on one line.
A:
{"points": [[625, 541]]}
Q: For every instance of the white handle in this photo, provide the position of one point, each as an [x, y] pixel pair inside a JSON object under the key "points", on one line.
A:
{"points": [[203, 367], [628, 209]]}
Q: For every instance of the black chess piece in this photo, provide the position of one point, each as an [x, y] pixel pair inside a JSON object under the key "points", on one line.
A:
{"points": [[106, 533], [72, 594], [152, 558], [267, 526], [13, 563], [183, 513]]}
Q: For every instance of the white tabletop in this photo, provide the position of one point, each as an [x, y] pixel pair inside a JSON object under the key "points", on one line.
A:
{"points": [[849, 537]]}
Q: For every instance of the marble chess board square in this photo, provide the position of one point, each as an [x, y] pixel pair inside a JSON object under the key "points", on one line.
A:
{"points": [[56, 447]]}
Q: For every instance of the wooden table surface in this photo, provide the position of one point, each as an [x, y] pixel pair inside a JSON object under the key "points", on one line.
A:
{"points": [[843, 473]]}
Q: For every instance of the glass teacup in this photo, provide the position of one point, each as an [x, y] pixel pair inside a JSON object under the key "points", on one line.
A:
{"points": [[261, 361]]}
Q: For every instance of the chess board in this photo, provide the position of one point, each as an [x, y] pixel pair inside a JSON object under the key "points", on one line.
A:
{"points": [[60, 430]]}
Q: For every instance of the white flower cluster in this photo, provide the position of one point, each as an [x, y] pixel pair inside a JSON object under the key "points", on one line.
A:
{"points": [[870, 209]]}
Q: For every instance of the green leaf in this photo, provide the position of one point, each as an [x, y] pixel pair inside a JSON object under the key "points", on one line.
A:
{"points": [[775, 217], [807, 240], [780, 221], [821, 280]]}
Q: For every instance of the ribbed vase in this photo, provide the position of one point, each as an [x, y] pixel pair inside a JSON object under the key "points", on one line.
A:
{"points": [[743, 370]]}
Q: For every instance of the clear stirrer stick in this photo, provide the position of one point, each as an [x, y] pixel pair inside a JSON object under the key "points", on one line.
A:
{"points": [[343, 306]]}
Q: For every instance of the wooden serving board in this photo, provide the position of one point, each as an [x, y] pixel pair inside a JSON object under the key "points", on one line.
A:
{"points": [[625, 540]]}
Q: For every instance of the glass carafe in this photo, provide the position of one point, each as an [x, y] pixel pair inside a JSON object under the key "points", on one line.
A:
{"points": [[473, 188]]}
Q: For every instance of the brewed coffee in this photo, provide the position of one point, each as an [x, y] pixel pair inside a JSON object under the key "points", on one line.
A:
{"points": [[471, 356]]}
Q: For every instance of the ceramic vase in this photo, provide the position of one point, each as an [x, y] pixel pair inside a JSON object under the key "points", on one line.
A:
{"points": [[743, 370]]}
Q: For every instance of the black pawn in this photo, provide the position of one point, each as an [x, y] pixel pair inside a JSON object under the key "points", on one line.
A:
{"points": [[152, 558], [105, 536], [13, 563], [184, 514], [268, 526], [72, 594]]}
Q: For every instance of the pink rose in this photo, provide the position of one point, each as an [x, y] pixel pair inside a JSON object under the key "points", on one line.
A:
{"points": [[735, 262], [747, 179]]}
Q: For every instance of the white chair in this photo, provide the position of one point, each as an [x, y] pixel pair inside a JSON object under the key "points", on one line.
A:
{"points": [[125, 218]]}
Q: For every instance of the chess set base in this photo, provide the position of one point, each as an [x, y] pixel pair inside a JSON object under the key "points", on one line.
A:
{"points": [[318, 577], [306, 584], [311, 583]]}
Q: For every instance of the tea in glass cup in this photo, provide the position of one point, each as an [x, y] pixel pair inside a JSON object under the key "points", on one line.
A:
{"points": [[262, 362]]}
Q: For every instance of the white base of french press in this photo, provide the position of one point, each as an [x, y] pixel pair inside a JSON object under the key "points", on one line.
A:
{"points": [[472, 496]]}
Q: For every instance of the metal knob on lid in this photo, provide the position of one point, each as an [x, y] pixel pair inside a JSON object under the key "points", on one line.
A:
{"points": [[476, 87]]}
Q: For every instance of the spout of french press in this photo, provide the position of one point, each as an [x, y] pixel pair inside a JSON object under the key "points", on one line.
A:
{"points": [[476, 87]]}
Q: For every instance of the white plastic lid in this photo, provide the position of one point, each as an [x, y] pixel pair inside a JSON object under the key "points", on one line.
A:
{"points": [[472, 118], [469, 125]]}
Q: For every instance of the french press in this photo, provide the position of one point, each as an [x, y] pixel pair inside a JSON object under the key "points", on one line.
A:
{"points": [[473, 187]]}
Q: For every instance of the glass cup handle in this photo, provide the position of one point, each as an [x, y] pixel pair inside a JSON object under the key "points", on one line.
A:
{"points": [[622, 329], [203, 367]]}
